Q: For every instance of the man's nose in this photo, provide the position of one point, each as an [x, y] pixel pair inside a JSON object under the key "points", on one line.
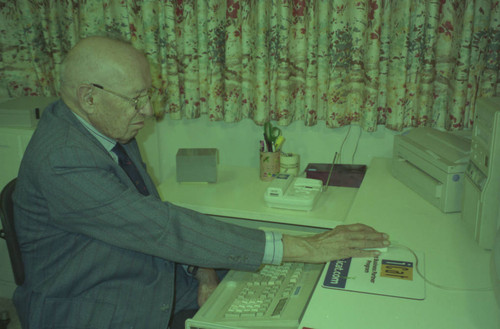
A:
{"points": [[147, 110]]}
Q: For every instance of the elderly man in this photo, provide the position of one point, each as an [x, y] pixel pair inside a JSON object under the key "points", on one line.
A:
{"points": [[100, 249]]}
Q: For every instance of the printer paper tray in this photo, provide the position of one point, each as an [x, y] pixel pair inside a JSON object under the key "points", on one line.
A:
{"points": [[418, 180]]}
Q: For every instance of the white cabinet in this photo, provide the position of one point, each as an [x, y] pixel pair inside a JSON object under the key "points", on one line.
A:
{"points": [[481, 211]]}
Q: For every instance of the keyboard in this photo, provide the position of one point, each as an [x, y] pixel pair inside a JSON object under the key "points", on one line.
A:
{"points": [[273, 297]]}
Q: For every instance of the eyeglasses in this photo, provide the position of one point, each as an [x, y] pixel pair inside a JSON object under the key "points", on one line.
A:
{"points": [[138, 102]]}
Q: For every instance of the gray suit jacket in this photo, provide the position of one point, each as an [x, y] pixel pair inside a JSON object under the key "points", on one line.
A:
{"points": [[97, 253]]}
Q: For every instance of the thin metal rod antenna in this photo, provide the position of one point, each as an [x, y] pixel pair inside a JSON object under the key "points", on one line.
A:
{"points": [[331, 171]]}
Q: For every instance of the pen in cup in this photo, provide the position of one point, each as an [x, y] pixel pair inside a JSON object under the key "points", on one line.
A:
{"points": [[262, 147]]}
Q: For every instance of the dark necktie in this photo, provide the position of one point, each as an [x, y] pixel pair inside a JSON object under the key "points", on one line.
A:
{"points": [[126, 163]]}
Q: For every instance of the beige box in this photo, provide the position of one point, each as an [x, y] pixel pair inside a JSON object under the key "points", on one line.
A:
{"points": [[197, 165]]}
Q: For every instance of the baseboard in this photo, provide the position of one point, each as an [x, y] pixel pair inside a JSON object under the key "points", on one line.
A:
{"points": [[7, 289]]}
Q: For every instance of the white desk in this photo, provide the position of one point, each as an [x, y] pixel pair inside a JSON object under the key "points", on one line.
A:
{"points": [[452, 259], [239, 193]]}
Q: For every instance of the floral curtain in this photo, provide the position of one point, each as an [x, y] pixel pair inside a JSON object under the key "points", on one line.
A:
{"points": [[401, 63]]}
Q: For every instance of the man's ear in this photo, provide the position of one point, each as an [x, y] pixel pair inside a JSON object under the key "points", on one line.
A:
{"points": [[86, 98]]}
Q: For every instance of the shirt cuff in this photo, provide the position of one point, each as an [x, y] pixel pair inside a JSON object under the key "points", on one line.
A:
{"points": [[273, 251]]}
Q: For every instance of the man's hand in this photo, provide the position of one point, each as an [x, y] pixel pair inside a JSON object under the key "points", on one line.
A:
{"points": [[343, 241], [208, 281]]}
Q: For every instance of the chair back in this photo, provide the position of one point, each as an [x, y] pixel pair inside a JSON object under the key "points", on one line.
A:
{"points": [[8, 231]]}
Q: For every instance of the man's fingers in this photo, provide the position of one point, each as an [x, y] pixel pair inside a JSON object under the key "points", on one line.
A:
{"points": [[367, 236], [353, 228], [362, 227], [363, 244], [365, 253], [358, 227]]}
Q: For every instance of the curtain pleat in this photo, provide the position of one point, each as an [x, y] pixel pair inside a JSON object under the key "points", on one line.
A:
{"points": [[370, 62]]}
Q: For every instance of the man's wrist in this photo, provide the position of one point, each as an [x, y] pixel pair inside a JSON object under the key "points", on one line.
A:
{"points": [[296, 249]]}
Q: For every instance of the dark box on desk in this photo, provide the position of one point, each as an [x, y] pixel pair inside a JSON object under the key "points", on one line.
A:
{"points": [[197, 165], [343, 174]]}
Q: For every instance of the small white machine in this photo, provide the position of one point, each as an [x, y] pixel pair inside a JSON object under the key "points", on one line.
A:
{"points": [[432, 163], [288, 192]]}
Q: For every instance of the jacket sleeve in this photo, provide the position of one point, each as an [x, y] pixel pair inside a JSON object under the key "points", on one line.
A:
{"points": [[88, 193]]}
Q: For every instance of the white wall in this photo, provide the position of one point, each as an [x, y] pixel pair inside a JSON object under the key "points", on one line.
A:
{"points": [[238, 143]]}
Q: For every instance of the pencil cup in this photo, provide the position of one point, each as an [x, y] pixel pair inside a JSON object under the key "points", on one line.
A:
{"points": [[269, 165]]}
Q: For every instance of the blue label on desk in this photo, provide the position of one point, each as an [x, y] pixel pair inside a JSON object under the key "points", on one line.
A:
{"points": [[336, 275]]}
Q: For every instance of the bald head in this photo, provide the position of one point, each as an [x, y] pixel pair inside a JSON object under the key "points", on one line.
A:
{"points": [[102, 80], [101, 60]]}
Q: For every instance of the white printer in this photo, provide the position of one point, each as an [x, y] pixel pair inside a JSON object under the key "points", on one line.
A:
{"points": [[433, 163]]}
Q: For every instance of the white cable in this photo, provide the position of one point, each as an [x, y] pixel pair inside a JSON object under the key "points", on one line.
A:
{"points": [[342, 145], [437, 285], [356, 147]]}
